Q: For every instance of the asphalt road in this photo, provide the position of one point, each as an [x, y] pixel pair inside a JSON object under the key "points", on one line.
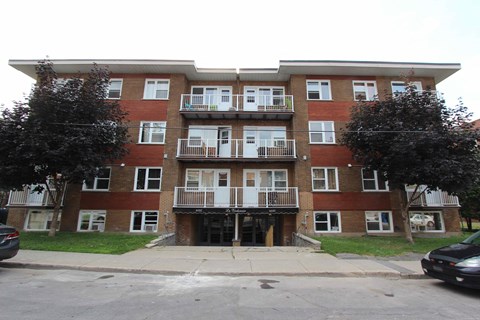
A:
{"points": [[67, 294]]}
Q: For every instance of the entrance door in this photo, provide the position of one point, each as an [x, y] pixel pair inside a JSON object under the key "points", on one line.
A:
{"points": [[254, 229], [222, 189], [225, 100], [216, 230], [250, 189], [225, 143], [250, 147], [250, 100]]}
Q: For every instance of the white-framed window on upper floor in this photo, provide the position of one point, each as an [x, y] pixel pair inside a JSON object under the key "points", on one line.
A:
{"points": [[319, 90], [91, 220], [426, 221], [156, 89], [100, 183], [115, 89], [152, 132], [378, 221], [148, 179], [40, 220], [400, 86], [207, 178], [324, 179], [364, 90], [321, 132], [372, 181], [144, 221], [327, 221]]}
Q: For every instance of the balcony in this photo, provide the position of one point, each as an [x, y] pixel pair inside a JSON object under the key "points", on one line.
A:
{"points": [[227, 106], [226, 149], [28, 197], [434, 199], [227, 197]]}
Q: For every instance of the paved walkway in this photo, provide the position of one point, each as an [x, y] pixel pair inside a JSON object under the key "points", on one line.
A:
{"points": [[231, 261]]}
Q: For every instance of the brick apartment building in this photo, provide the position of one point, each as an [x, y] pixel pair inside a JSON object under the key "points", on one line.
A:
{"points": [[219, 155]]}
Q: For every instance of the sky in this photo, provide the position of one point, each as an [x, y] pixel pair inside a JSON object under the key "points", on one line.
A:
{"points": [[245, 34]]}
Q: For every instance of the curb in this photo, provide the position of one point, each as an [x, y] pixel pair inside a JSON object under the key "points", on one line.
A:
{"points": [[390, 275]]}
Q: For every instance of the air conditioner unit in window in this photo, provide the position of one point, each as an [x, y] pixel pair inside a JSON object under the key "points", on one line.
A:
{"points": [[150, 227]]}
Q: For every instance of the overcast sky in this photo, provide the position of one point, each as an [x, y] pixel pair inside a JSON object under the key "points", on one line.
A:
{"points": [[243, 34]]}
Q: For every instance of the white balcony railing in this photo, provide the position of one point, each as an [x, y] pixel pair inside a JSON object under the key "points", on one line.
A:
{"points": [[236, 102], [433, 198], [28, 197], [237, 148], [236, 197]]}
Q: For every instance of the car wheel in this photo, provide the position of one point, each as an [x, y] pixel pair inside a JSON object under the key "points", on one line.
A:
{"points": [[430, 224]]}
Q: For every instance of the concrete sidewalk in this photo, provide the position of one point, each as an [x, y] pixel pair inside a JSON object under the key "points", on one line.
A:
{"points": [[228, 261]]}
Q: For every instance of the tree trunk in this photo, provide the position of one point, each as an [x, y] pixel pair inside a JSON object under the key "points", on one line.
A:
{"points": [[57, 202], [468, 220], [405, 203], [406, 224]]}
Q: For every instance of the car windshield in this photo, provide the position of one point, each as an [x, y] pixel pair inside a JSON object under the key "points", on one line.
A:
{"points": [[473, 239]]}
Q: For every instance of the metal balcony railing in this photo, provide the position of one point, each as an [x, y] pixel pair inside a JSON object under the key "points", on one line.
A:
{"points": [[236, 197], [434, 199], [28, 197], [236, 103], [236, 148]]}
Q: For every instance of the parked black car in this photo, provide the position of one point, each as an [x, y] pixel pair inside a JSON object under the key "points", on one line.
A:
{"points": [[458, 263], [9, 242]]}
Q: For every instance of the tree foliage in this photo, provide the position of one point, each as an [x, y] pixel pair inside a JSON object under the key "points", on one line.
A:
{"points": [[65, 131], [413, 138], [470, 205]]}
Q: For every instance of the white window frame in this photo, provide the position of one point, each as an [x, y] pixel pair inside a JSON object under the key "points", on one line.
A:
{"points": [[93, 225], [325, 170], [96, 180], [417, 84], [143, 224], [157, 82], [320, 92], [119, 91], [365, 82], [200, 180], [328, 222], [46, 222], [415, 230], [150, 127], [375, 179], [147, 170], [323, 131], [381, 230]]}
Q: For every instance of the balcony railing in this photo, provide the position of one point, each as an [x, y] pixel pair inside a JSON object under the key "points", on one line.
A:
{"points": [[28, 197], [280, 149], [434, 199], [236, 197], [236, 103]]}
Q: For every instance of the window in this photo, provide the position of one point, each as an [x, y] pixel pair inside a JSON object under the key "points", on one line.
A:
{"points": [[321, 132], [152, 132], [40, 220], [156, 89], [400, 86], [318, 90], [100, 183], [144, 221], [379, 221], [327, 221], [115, 89], [91, 220], [148, 179], [372, 181], [364, 90], [273, 179], [324, 179], [426, 221]]}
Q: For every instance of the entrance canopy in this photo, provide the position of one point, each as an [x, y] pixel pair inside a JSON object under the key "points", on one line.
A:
{"points": [[242, 211]]}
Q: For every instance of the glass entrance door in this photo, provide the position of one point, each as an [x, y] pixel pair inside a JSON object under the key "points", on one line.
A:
{"points": [[254, 229], [216, 230]]}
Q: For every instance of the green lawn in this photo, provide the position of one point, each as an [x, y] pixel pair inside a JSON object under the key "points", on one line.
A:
{"points": [[92, 242], [384, 246]]}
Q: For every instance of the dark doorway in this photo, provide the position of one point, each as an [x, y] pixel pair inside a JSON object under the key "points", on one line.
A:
{"points": [[253, 229], [216, 230]]}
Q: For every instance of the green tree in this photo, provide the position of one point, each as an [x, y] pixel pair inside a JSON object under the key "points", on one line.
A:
{"points": [[64, 132], [470, 205], [413, 138]]}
